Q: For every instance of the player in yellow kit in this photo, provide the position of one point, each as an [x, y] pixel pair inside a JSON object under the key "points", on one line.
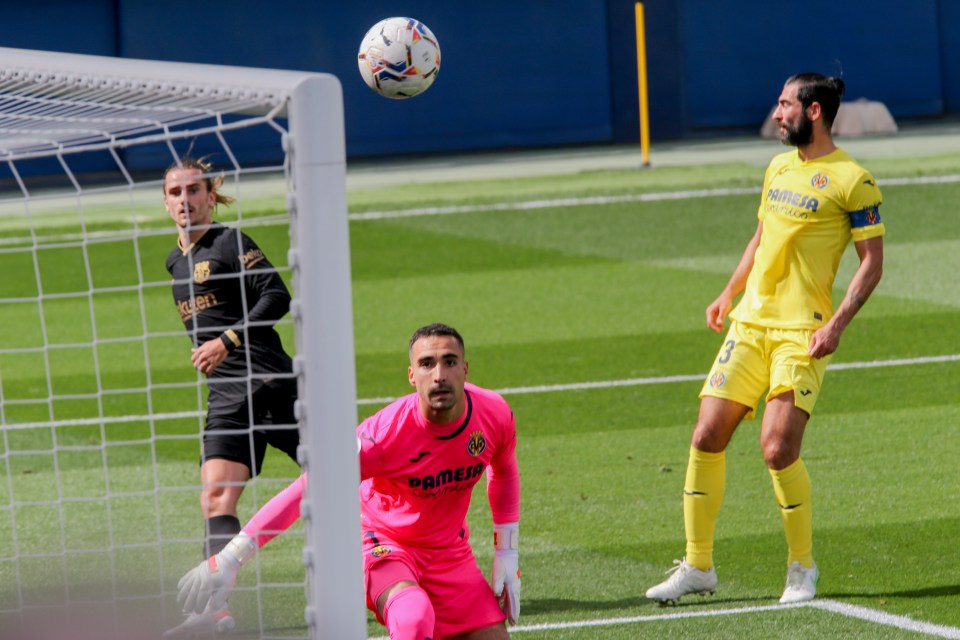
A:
{"points": [[783, 331]]}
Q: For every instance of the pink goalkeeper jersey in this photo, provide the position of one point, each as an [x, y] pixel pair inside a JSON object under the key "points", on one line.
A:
{"points": [[417, 477]]}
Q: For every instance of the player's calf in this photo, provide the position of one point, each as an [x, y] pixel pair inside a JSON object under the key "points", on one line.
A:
{"points": [[409, 615]]}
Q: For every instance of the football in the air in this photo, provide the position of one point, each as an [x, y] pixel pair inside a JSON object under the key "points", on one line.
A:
{"points": [[399, 58]]}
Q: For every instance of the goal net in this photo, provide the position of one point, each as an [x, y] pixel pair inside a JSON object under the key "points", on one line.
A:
{"points": [[100, 408]]}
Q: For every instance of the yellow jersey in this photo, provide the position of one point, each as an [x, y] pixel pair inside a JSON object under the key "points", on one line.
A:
{"points": [[810, 211]]}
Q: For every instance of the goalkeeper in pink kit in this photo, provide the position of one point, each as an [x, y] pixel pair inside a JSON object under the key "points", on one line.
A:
{"points": [[419, 460]]}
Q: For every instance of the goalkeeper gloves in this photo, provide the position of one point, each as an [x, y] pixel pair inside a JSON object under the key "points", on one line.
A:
{"points": [[506, 569], [212, 580]]}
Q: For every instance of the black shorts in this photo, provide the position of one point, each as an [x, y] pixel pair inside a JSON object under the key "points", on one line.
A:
{"points": [[228, 434]]}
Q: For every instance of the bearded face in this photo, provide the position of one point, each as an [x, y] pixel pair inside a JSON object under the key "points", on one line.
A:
{"points": [[797, 133]]}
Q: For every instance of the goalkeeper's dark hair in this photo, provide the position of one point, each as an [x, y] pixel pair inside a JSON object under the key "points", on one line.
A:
{"points": [[212, 180], [436, 329], [816, 87]]}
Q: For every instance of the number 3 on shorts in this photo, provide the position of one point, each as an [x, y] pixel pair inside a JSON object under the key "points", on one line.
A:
{"points": [[726, 351]]}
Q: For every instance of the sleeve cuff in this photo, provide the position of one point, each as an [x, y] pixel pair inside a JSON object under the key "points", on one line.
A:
{"points": [[230, 339], [865, 233], [506, 536], [241, 548]]}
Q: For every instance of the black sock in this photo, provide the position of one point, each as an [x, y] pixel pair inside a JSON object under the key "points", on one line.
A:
{"points": [[220, 531]]}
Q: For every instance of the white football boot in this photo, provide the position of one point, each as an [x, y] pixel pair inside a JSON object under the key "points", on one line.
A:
{"points": [[801, 583], [685, 579]]}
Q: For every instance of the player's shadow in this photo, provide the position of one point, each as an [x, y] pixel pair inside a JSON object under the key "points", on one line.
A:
{"points": [[638, 605], [927, 592]]}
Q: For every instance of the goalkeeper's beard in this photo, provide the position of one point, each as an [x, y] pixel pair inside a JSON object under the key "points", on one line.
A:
{"points": [[442, 397]]}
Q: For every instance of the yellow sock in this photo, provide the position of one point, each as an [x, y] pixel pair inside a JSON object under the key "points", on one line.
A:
{"points": [[702, 497], [792, 489]]}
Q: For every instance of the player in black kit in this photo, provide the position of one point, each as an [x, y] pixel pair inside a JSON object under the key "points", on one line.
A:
{"points": [[229, 296]]}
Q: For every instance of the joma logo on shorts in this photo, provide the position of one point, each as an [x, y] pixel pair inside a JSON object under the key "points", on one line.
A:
{"points": [[446, 477]]}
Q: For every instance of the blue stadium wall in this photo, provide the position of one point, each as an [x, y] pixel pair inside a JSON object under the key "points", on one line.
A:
{"points": [[541, 73]]}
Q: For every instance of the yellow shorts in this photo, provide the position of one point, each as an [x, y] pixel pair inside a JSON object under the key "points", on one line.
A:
{"points": [[755, 359]]}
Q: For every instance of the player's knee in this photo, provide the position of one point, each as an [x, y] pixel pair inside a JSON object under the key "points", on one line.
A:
{"points": [[409, 615], [779, 454], [217, 500], [212, 493], [706, 438]]}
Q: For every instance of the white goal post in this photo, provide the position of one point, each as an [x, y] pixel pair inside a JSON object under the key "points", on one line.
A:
{"points": [[84, 141]]}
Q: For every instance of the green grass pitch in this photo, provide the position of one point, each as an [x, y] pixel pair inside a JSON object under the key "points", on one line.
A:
{"points": [[546, 297]]}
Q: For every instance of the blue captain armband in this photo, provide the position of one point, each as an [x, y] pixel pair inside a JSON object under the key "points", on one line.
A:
{"points": [[868, 217]]}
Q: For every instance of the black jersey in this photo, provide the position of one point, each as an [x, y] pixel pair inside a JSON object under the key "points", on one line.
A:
{"points": [[225, 288]]}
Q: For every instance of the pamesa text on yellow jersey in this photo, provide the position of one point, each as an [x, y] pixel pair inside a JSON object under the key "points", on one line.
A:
{"points": [[810, 210]]}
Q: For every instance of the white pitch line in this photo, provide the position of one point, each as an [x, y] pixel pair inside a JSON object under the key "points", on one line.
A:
{"points": [[892, 363], [841, 608], [573, 386], [899, 182], [634, 382], [82, 422], [690, 194], [609, 622], [556, 202], [886, 619]]}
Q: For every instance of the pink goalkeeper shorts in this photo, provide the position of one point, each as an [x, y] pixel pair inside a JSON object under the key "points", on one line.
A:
{"points": [[461, 597]]}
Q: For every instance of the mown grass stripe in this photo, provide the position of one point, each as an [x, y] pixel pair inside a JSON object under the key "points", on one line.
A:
{"points": [[841, 608], [633, 382], [689, 194], [574, 386]]}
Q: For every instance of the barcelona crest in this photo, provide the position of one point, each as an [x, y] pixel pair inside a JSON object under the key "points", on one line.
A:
{"points": [[201, 272], [477, 443], [380, 550]]}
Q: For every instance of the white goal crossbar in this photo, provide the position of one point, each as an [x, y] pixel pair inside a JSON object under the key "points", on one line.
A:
{"points": [[57, 107]]}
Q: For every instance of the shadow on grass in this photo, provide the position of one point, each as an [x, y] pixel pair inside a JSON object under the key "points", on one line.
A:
{"points": [[928, 592], [633, 606]]}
